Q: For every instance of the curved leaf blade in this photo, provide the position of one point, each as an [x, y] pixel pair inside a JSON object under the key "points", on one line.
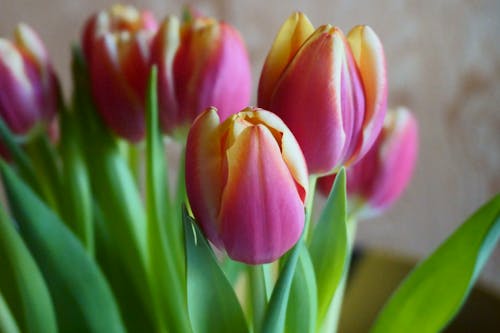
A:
{"points": [[81, 294], [212, 303], [275, 316], [329, 245], [302, 308], [26, 295], [7, 321], [433, 293]]}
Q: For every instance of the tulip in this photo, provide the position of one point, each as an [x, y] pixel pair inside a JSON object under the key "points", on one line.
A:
{"points": [[116, 45], [246, 181], [378, 180], [202, 63], [330, 90], [28, 86]]}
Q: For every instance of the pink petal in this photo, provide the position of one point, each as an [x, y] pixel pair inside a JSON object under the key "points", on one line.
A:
{"points": [[203, 172], [262, 214], [293, 33]]}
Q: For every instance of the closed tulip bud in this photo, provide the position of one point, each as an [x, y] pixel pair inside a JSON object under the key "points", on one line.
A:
{"points": [[379, 178], [116, 44], [202, 62], [28, 86], [331, 96], [246, 181]]}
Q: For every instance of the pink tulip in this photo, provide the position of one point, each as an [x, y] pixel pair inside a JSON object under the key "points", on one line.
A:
{"points": [[116, 44], [378, 180], [202, 63], [330, 90], [246, 181], [28, 86]]}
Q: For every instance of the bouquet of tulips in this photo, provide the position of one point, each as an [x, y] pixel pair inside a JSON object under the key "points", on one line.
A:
{"points": [[105, 228]]}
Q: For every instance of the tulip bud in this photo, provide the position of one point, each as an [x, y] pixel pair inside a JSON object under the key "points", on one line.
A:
{"points": [[202, 63], [379, 178], [28, 85], [246, 181], [116, 44], [344, 91]]}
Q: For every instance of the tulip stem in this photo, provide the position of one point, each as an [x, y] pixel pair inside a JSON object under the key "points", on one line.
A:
{"points": [[309, 207], [258, 294], [43, 158]]}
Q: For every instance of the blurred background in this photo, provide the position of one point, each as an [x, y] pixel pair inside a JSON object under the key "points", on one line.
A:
{"points": [[443, 62]]}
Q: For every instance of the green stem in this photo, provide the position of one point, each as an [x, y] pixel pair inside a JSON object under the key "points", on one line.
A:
{"points": [[258, 294], [309, 207], [46, 169]]}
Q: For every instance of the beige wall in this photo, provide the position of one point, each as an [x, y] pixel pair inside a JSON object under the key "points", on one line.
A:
{"points": [[444, 63]]}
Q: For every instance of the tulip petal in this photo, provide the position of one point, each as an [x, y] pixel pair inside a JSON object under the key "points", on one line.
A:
{"points": [[203, 170], [135, 64], [290, 149], [369, 56], [120, 107], [164, 47], [397, 156], [314, 79], [17, 100], [231, 63], [262, 215], [293, 33], [28, 41], [210, 56]]}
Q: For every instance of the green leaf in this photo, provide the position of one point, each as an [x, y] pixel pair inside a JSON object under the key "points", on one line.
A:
{"points": [[22, 284], [77, 199], [433, 293], [170, 298], [212, 303], [135, 307], [7, 322], [274, 319], [302, 308], [81, 294], [329, 246], [114, 189], [20, 159]]}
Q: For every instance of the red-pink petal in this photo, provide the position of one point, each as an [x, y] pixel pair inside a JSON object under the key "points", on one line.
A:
{"points": [[203, 172], [262, 214]]}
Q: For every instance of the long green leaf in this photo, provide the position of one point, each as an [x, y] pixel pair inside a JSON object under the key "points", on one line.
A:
{"points": [[21, 282], [213, 305], [19, 157], [436, 289], [114, 189], [329, 245], [8, 323], [274, 318], [302, 308], [170, 296], [136, 308], [77, 200], [81, 294]]}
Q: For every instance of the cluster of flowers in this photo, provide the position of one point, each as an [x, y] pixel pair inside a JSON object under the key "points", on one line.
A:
{"points": [[322, 101]]}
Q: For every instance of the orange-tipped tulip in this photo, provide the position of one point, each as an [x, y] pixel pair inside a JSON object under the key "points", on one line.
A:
{"points": [[116, 44], [202, 62], [330, 90], [246, 180], [379, 178], [28, 85]]}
